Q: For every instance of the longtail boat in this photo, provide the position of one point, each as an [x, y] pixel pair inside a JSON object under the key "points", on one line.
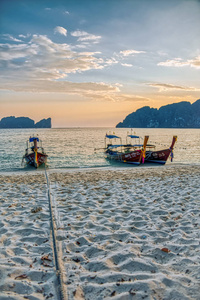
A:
{"points": [[130, 154], [34, 153], [160, 156]]}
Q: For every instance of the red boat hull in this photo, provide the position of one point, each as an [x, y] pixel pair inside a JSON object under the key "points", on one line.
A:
{"points": [[157, 156], [127, 156], [160, 156], [41, 159], [133, 157]]}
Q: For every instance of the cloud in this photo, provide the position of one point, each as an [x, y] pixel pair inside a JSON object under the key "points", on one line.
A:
{"points": [[78, 33], [89, 37], [89, 53], [43, 86], [41, 52], [130, 52], [9, 37], [110, 61], [131, 98], [85, 36], [82, 46], [41, 58], [60, 30], [42, 66], [8, 52], [117, 97], [126, 65], [89, 90], [176, 62], [179, 62], [166, 87], [195, 62], [24, 36]]}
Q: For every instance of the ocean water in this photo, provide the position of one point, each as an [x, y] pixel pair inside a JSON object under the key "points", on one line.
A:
{"points": [[75, 147]]}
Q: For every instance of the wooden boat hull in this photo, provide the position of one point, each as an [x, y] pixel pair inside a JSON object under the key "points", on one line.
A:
{"points": [[159, 157], [133, 157], [41, 159], [127, 156]]}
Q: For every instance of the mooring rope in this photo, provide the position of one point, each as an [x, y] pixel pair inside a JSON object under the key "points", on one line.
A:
{"points": [[61, 294]]}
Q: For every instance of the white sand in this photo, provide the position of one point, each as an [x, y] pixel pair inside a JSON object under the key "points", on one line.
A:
{"points": [[112, 228], [25, 238]]}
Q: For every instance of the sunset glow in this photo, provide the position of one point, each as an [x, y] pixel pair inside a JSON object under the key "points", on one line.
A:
{"points": [[90, 63]]}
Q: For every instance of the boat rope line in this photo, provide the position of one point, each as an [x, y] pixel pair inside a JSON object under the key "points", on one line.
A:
{"points": [[60, 288]]}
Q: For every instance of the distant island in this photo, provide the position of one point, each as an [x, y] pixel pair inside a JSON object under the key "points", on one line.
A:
{"points": [[24, 122], [176, 115]]}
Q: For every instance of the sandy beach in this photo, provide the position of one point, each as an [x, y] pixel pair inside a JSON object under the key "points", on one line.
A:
{"points": [[121, 233]]}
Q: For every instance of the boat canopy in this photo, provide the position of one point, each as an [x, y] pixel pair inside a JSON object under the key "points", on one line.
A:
{"points": [[139, 145], [114, 146], [112, 136], [32, 139], [133, 136], [136, 145]]}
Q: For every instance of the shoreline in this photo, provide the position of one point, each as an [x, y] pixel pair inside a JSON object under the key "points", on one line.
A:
{"points": [[113, 166], [122, 233]]}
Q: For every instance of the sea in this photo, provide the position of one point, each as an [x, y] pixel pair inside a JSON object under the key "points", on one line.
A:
{"points": [[69, 148]]}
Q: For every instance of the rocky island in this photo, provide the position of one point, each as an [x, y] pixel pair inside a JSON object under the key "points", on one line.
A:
{"points": [[176, 115], [24, 122]]}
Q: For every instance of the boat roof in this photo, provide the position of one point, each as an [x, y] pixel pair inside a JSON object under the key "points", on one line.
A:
{"points": [[32, 139], [114, 146], [133, 136], [112, 136], [126, 146], [136, 145]]}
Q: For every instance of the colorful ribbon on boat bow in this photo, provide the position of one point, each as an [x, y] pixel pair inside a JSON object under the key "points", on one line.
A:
{"points": [[143, 155], [36, 157]]}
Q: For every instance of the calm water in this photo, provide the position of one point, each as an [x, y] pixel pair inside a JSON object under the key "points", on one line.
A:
{"points": [[74, 147]]}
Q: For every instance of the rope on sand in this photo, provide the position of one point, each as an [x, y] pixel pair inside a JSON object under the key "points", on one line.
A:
{"points": [[61, 294]]}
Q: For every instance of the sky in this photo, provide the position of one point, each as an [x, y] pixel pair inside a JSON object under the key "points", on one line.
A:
{"points": [[91, 63]]}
